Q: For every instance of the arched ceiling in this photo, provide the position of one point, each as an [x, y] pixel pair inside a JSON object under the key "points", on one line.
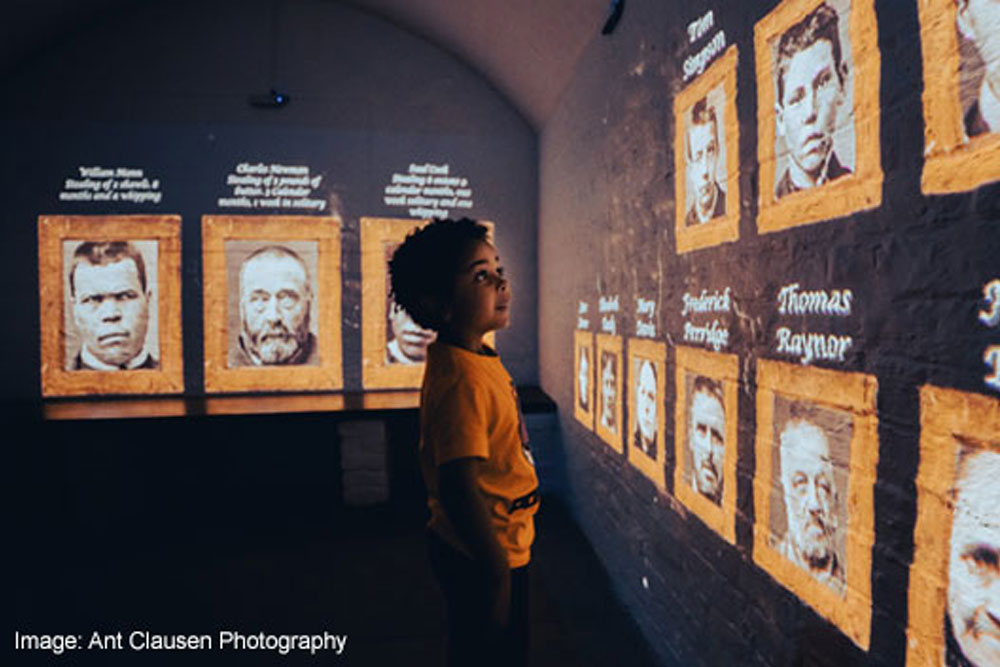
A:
{"points": [[527, 49]]}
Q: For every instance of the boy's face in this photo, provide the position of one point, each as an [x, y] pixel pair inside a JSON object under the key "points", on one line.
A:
{"points": [[482, 295]]}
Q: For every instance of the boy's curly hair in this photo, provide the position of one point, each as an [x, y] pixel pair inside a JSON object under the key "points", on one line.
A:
{"points": [[422, 270]]}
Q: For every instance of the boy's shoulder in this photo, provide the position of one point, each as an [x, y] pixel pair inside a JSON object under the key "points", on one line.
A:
{"points": [[451, 367]]}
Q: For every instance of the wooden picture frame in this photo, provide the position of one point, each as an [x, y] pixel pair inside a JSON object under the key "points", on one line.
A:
{"points": [[953, 162], [724, 369], [583, 344], [377, 236], [609, 347], [847, 194], [58, 377], [641, 349], [324, 234], [854, 394], [719, 78], [950, 421]]}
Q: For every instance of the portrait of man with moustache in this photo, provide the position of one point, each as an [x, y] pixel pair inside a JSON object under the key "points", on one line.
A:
{"points": [[810, 489], [110, 297], [275, 295]]}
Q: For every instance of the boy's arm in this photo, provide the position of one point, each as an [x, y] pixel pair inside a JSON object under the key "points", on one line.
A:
{"points": [[464, 506]]}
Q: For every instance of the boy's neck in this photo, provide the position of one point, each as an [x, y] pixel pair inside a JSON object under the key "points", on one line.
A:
{"points": [[471, 342]]}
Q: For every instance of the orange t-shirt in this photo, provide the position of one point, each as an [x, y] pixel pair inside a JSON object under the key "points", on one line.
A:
{"points": [[469, 408]]}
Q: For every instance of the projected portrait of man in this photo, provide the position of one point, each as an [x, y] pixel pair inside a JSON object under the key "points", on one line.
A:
{"points": [[583, 379], [979, 23], [811, 501], [972, 626], [275, 304], [110, 302], [707, 438], [408, 341], [811, 76], [702, 140], [609, 373], [644, 438]]}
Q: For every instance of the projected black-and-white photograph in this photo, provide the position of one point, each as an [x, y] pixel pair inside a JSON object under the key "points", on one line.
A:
{"points": [[272, 303], [704, 464], [406, 341], [705, 159], [111, 305], [810, 460], [608, 392], [583, 374], [972, 626], [814, 101], [647, 398], [978, 26]]}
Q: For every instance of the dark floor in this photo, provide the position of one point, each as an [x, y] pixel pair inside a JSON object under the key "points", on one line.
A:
{"points": [[368, 579]]}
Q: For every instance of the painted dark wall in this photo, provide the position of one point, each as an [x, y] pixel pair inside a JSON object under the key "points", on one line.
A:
{"points": [[165, 88], [917, 265]]}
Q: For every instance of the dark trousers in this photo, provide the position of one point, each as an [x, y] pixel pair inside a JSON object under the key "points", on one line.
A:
{"points": [[471, 640]]}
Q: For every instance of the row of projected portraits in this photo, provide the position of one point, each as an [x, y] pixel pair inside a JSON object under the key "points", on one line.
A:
{"points": [[111, 305], [816, 455], [818, 75]]}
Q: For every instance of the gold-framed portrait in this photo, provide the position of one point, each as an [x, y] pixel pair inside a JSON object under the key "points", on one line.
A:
{"points": [[707, 155], [707, 428], [816, 460], [960, 41], [954, 581], [818, 77], [393, 346], [110, 289], [646, 414], [608, 417], [583, 378], [271, 303]]}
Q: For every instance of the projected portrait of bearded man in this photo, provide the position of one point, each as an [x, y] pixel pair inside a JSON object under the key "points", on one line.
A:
{"points": [[275, 308]]}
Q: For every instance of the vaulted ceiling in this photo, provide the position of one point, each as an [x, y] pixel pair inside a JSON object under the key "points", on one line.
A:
{"points": [[526, 48]]}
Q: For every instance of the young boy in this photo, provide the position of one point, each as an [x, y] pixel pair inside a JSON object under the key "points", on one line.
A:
{"points": [[481, 483]]}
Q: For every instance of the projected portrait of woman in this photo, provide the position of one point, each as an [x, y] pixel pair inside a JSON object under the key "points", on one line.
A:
{"points": [[647, 365], [955, 582], [818, 111], [816, 460], [608, 391], [393, 345], [110, 305], [608, 371], [406, 341]]}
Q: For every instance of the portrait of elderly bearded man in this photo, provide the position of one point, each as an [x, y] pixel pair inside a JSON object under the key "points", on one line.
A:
{"points": [[811, 502], [811, 76], [972, 624], [110, 301], [979, 23], [644, 438], [707, 438], [275, 307]]}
